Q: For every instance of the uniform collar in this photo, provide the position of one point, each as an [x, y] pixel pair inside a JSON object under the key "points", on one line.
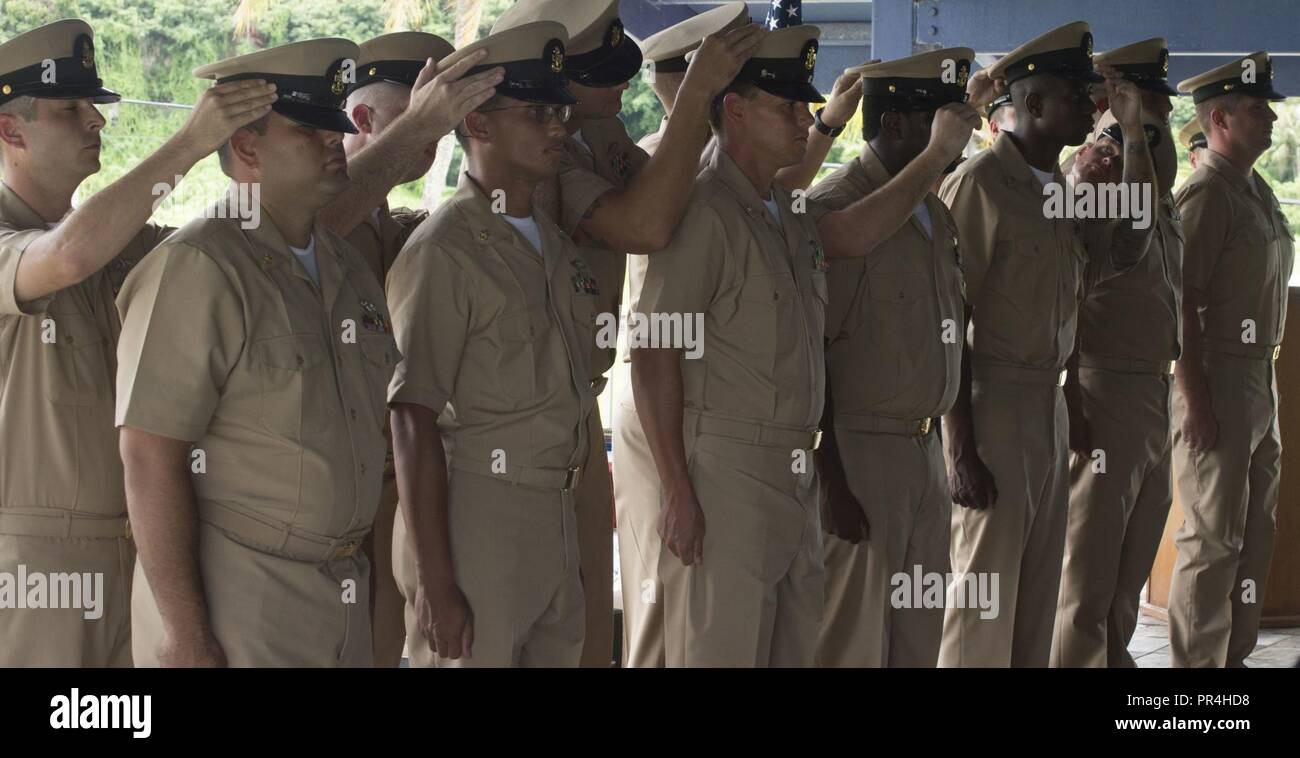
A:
{"points": [[871, 175], [1228, 171], [272, 251], [15, 212], [1017, 169], [490, 228], [735, 180]]}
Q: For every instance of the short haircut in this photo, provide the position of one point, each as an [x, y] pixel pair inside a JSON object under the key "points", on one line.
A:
{"points": [[741, 87], [375, 94], [226, 158], [462, 139], [1227, 103], [23, 106]]}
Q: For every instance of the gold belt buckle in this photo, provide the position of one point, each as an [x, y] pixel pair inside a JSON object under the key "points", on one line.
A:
{"points": [[816, 439], [1277, 350], [348, 550], [923, 428], [571, 478]]}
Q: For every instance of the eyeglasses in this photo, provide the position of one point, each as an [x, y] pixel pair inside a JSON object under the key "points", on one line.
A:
{"points": [[542, 114]]}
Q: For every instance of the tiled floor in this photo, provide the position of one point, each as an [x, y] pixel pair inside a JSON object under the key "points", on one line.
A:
{"points": [[1277, 648]]}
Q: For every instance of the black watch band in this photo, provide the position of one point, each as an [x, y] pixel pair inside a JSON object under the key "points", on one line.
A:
{"points": [[823, 128]]}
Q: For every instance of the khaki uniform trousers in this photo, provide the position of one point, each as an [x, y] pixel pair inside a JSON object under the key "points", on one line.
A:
{"points": [[1118, 507], [1021, 430], [515, 553], [64, 637], [902, 485], [757, 598], [269, 610], [388, 627], [1229, 497], [594, 500], [637, 497]]}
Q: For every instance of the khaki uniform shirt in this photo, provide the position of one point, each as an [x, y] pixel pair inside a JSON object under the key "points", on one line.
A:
{"points": [[381, 235], [1024, 272], [489, 329], [58, 446], [1238, 254], [894, 324], [1137, 314], [606, 162], [761, 288], [227, 342]]}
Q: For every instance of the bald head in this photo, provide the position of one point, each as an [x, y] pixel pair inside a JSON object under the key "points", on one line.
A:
{"points": [[372, 108]]}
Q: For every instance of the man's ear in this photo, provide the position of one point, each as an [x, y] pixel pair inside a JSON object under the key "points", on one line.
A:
{"points": [[244, 148], [733, 105], [476, 126], [1219, 117], [11, 133], [891, 124], [363, 118], [1034, 104]]}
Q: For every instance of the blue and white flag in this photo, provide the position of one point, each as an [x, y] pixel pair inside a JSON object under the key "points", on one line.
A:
{"points": [[784, 13]]}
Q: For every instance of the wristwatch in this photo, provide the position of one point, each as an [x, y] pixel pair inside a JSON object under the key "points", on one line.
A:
{"points": [[823, 128]]}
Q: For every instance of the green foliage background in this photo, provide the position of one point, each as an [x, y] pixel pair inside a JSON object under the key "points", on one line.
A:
{"points": [[147, 50]]}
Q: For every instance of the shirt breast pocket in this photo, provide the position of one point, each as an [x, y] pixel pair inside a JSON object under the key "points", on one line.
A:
{"points": [[898, 299], [521, 337], [594, 345], [79, 374], [293, 386], [767, 316]]}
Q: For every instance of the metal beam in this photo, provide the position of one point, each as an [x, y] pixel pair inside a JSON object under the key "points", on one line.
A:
{"points": [[1202, 33]]}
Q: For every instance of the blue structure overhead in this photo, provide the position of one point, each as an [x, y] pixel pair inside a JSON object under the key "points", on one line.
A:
{"points": [[1201, 33]]}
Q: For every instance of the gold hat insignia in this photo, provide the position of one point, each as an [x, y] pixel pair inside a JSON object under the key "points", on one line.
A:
{"points": [[87, 52]]}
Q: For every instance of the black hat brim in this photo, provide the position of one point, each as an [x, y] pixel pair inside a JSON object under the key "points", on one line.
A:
{"points": [[1160, 86], [328, 119], [800, 92], [544, 95], [97, 95], [1079, 75], [622, 64]]}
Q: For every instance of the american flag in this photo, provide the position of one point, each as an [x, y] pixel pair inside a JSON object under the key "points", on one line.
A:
{"points": [[784, 13]]}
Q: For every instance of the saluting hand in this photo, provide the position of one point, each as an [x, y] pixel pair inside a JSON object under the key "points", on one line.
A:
{"points": [[441, 99], [951, 129], [720, 57], [1124, 98], [445, 620], [681, 525], [844, 99], [222, 109], [982, 89]]}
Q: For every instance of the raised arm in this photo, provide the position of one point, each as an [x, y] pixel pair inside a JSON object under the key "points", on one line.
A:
{"points": [[439, 101], [640, 217], [97, 231]]}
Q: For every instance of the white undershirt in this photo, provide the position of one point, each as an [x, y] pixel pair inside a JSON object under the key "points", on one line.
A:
{"points": [[577, 136], [307, 257], [1044, 177], [772, 209], [527, 226], [923, 215]]}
